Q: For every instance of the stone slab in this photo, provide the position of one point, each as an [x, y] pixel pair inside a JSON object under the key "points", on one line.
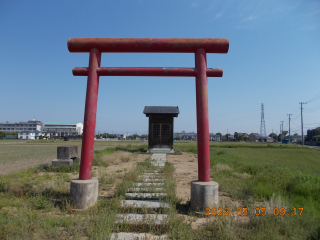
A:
{"points": [[154, 173], [136, 236], [160, 150], [141, 219], [148, 184], [158, 156], [152, 176], [151, 180], [146, 190], [153, 204], [158, 164], [59, 162], [145, 195], [67, 152]]}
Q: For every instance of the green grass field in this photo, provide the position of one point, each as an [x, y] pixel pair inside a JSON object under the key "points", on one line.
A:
{"points": [[34, 203]]}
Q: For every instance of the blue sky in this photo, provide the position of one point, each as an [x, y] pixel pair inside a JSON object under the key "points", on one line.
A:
{"points": [[273, 58]]}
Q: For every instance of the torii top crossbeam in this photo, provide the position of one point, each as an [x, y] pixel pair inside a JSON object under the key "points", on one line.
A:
{"points": [[96, 46], [150, 45]]}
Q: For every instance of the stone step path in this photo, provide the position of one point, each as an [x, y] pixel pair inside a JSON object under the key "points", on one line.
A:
{"points": [[146, 184], [151, 204], [145, 190], [149, 193]]}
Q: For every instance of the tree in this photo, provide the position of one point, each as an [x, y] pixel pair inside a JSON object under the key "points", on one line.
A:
{"points": [[274, 136], [236, 135], [2, 134], [227, 136], [296, 134], [219, 134], [284, 133]]}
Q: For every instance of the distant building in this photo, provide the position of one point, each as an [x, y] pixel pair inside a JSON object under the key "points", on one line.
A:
{"points": [[30, 126], [214, 137], [29, 135], [63, 128], [254, 137], [121, 136], [311, 133], [183, 135], [224, 138], [230, 137], [243, 135], [294, 138]]}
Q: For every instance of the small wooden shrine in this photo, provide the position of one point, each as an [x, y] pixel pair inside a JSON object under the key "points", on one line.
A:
{"points": [[160, 128]]}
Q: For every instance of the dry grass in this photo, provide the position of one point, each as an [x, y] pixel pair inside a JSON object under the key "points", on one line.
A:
{"points": [[222, 168], [275, 202], [242, 175], [117, 157]]}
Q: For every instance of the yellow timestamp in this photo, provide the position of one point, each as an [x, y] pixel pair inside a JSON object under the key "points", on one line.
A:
{"points": [[256, 211]]}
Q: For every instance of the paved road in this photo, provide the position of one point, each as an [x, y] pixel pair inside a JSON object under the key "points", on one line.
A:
{"points": [[315, 147]]}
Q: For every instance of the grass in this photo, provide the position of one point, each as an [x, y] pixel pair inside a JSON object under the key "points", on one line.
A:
{"points": [[257, 174], [13, 153], [34, 203]]}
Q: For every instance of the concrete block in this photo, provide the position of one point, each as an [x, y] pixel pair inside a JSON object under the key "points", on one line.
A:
{"points": [[142, 219], [84, 193], [59, 162], [67, 152], [153, 204], [145, 195], [204, 195]]}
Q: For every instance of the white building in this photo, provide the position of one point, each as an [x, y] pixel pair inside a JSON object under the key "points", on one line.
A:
{"points": [[214, 137], [30, 126], [63, 128], [122, 136], [29, 135]]}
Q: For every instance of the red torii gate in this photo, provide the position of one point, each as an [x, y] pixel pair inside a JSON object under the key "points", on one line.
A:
{"points": [[96, 46]]}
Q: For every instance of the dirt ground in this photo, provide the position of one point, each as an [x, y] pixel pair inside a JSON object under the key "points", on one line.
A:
{"points": [[186, 170], [118, 170]]}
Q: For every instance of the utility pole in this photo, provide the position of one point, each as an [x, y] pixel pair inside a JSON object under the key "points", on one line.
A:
{"points": [[282, 131], [280, 134], [302, 123], [289, 125]]}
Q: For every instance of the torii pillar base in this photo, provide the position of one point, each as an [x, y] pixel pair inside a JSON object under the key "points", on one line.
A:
{"points": [[84, 193], [204, 195]]}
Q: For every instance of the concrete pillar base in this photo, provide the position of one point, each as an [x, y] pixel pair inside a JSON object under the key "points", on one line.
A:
{"points": [[204, 195], [84, 193], [59, 162]]}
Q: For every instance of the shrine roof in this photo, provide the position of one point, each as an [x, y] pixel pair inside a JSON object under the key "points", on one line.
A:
{"points": [[161, 110]]}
